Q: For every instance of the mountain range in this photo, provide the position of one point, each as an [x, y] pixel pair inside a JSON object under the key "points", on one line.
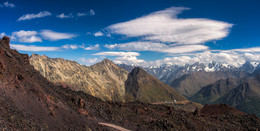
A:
{"points": [[189, 79], [28, 101], [214, 83], [105, 80], [167, 72], [110, 82]]}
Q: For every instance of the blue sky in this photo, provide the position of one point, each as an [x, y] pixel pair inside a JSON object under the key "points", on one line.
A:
{"points": [[136, 32]]}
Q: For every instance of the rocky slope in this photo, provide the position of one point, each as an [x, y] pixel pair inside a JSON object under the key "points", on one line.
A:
{"points": [[144, 87], [28, 101], [104, 80], [144, 116]]}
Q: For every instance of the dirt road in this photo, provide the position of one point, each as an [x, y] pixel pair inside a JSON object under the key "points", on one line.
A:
{"points": [[114, 126]]}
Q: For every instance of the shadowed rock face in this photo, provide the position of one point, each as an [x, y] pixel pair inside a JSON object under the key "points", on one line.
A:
{"points": [[103, 80], [143, 87]]}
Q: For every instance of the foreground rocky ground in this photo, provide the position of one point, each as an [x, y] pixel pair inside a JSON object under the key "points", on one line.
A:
{"points": [[28, 101], [141, 116]]}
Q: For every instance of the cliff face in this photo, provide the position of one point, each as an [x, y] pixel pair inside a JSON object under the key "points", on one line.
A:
{"points": [[103, 80]]}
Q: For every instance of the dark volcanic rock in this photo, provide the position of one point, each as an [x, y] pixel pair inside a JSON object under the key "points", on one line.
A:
{"points": [[220, 109]]}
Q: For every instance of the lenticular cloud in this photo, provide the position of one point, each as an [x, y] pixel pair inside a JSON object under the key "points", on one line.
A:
{"points": [[165, 26]]}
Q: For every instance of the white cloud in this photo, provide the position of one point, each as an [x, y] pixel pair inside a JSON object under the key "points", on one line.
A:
{"points": [[62, 16], [165, 26], [233, 57], [228, 57], [33, 48], [129, 60], [34, 36], [99, 33], [75, 46], [67, 46], [123, 57], [7, 4], [117, 54], [26, 36], [82, 14], [95, 47], [89, 61], [254, 49], [53, 36], [33, 16], [2, 35], [92, 12], [158, 47]]}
